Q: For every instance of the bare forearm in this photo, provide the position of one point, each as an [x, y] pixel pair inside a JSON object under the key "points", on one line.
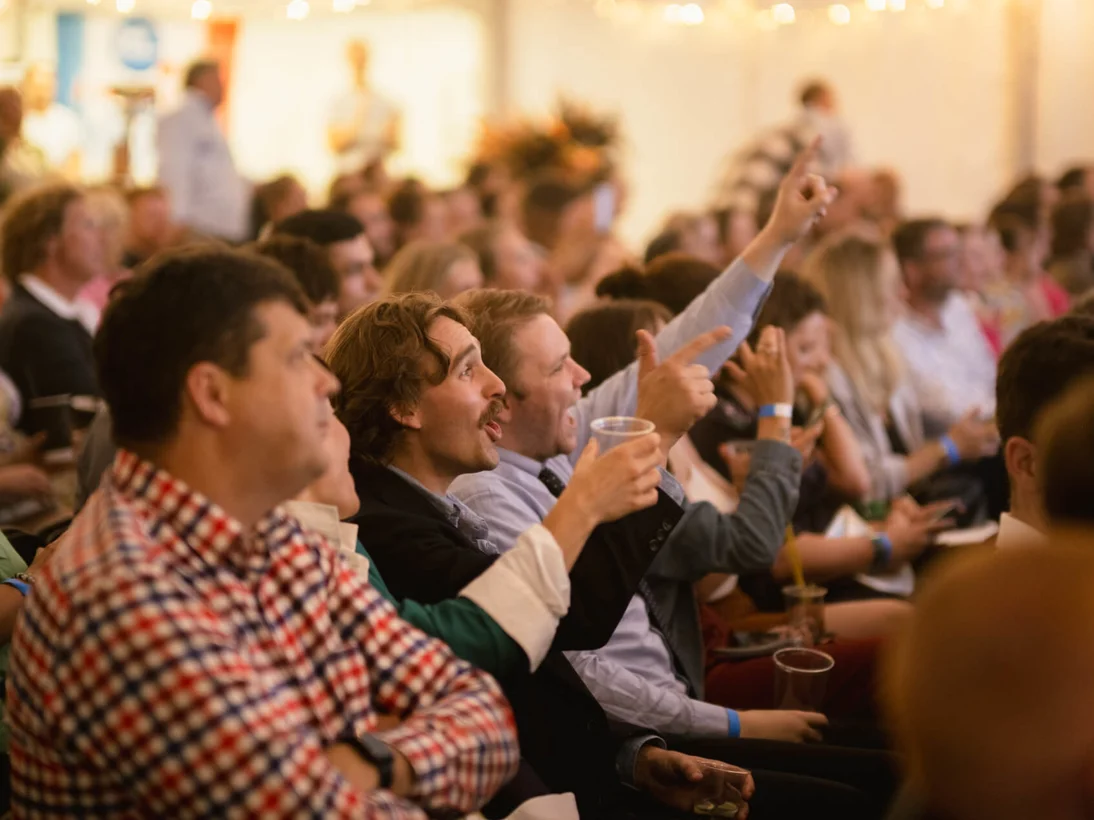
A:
{"points": [[11, 602], [847, 472], [825, 558], [774, 428], [764, 253], [925, 461]]}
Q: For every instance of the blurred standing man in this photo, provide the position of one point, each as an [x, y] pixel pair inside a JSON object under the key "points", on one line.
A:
{"points": [[207, 193], [48, 124], [364, 127], [752, 177]]}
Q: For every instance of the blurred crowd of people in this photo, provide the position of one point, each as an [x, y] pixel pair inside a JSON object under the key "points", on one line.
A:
{"points": [[336, 488]]}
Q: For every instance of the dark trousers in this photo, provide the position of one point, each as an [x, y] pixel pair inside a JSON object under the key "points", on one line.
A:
{"points": [[779, 796], [841, 778]]}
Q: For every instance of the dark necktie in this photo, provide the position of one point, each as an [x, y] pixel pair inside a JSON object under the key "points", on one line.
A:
{"points": [[551, 481]]}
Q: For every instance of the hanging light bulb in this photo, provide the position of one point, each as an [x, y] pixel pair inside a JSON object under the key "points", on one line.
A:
{"points": [[783, 13], [201, 9], [124, 6], [297, 9], [344, 6], [839, 14], [692, 14], [875, 5]]}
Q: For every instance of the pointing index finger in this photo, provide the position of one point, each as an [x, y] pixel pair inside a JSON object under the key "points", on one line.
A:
{"points": [[800, 168]]}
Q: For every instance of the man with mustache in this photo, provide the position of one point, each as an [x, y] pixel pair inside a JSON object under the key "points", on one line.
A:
{"points": [[421, 409]]}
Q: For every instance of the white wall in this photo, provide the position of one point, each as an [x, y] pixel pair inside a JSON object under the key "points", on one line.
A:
{"points": [[430, 62], [924, 91], [1065, 85]]}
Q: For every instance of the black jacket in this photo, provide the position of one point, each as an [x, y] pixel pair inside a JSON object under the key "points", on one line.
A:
{"points": [[564, 734], [43, 353]]}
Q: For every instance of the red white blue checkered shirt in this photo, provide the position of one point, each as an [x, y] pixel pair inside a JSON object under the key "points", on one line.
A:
{"points": [[168, 664]]}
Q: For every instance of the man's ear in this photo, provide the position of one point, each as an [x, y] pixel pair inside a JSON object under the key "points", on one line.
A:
{"points": [[1021, 460], [208, 390], [411, 419]]}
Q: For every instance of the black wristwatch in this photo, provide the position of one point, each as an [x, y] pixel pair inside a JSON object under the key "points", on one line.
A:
{"points": [[377, 753]]}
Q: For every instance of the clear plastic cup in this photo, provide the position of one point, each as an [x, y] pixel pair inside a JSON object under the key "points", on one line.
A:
{"points": [[611, 431], [805, 610], [801, 678], [719, 793]]}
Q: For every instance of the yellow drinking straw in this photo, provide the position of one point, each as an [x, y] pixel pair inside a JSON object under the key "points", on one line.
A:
{"points": [[794, 556]]}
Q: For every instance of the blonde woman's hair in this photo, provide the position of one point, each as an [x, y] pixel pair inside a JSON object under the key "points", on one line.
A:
{"points": [[856, 271], [111, 213], [423, 266]]}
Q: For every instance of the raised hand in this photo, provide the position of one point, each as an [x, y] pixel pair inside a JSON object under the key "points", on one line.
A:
{"points": [[604, 488], [619, 482], [803, 198], [675, 393], [765, 373]]}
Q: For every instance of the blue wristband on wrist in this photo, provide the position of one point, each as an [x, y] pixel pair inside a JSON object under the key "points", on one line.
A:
{"points": [[776, 411], [734, 723], [22, 586], [953, 455], [883, 551]]}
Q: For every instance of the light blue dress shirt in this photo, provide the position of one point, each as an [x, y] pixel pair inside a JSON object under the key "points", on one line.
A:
{"points": [[206, 191], [633, 675]]}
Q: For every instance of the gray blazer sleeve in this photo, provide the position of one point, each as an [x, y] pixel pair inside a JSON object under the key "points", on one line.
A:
{"points": [[747, 540]]}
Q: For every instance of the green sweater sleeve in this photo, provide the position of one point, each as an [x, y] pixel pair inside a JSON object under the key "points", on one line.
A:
{"points": [[471, 633]]}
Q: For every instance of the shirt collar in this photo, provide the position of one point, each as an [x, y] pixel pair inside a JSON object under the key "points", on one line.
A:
{"points": [[459, 515], [77, 310], [198, 522], [446, 504], [521, 462], [323, 519], [1015, 533]]}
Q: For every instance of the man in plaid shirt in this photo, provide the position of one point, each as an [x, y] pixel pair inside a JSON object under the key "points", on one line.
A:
{"points": [[189, 651]]}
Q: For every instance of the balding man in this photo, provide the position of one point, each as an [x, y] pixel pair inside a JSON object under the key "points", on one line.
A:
{"points": [[990, 687], [207, 193]]}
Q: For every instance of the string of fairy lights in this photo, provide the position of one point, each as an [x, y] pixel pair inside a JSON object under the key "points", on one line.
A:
{"points": [[762, 14]]}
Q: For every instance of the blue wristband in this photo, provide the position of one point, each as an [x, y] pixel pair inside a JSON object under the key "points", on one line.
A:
{"points": [[734, 723], [776, 411], [22, 586], [953, 455], [883, 551]]}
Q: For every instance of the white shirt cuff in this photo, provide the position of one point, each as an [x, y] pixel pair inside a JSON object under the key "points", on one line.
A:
{"points": [[526, 591]]}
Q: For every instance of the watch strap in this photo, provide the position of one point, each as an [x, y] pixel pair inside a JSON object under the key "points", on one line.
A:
{"points": [[377, 753]]}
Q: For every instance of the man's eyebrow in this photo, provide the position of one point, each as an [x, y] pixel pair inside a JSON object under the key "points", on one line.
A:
{"points": [[470, 350]]}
